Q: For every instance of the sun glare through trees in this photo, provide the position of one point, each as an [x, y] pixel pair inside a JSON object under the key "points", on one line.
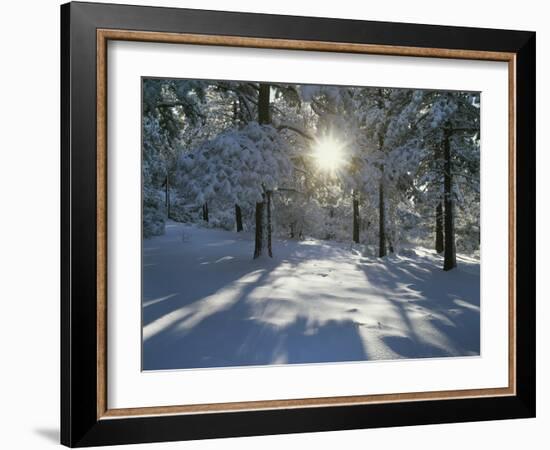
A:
{"points": [[329, 153]]}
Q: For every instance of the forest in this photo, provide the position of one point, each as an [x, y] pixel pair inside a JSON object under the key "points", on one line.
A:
{"points": [[375, 166], [295, 173]]}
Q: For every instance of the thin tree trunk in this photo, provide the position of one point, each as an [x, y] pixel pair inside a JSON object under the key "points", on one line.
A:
{"points": [[238, 212], [235, 112], [258, 243], [205, 212], [381, 221], [167, 195], [450, 251], [268, 206], [439, 238], [264, 116], [238, 218], [355, 218], [263, 119]]}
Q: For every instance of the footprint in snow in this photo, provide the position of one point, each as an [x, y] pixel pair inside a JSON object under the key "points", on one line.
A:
{"points": [[323, 275], [352, 310]]}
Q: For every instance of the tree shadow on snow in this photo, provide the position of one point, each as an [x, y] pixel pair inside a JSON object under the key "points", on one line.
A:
{"points": [[231, 338], [440, 311], [212, 322], [199, 308]]}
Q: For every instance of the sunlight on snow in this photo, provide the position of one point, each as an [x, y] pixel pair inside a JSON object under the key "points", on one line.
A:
{"points": [[311, 297], [189, 316]]}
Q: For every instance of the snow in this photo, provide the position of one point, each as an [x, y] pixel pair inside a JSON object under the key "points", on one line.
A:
{"points": [[207, 303], [237, 166]]}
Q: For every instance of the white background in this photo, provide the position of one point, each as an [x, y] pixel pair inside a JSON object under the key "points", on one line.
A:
{"points": [[128, 387], [29, 228]]}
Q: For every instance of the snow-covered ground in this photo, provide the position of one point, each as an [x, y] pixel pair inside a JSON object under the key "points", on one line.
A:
{"points": [[207, 303]]}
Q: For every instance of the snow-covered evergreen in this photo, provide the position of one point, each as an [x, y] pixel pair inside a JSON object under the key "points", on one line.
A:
{"points": [[360, 201], [386, 191], [236, 167]]}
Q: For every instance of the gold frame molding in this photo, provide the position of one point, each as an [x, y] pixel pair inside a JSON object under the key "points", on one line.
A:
{"points": [[104, 35]]}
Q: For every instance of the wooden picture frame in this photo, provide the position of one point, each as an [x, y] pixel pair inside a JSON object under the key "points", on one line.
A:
{"points": [[86, 418]]}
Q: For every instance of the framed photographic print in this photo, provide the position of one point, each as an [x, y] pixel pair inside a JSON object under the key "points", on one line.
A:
{"points": [[276, 224]]}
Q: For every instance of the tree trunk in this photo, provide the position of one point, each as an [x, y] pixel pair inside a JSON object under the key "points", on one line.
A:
{"points": [[269, 227], [263, 226], [259, 240], [205, 212], [439, 237], [264, 116], [355, 218], [236, 113], [167, 195], [381, 221], [450, 250], [238, 218], [263, 119], [439, 244]]}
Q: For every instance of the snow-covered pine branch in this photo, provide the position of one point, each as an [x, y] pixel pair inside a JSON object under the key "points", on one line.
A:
{"points": [[237, 166]]}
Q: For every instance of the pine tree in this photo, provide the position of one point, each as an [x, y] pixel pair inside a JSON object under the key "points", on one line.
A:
{"points": [[452, 125]]}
